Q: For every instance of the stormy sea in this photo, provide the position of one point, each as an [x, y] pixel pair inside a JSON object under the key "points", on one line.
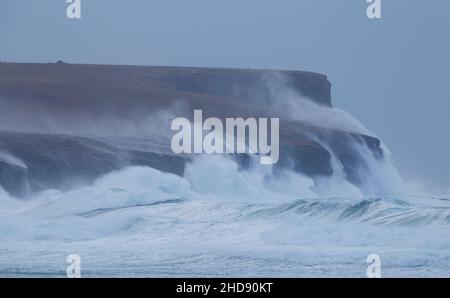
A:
{"points": [[86, 169]]}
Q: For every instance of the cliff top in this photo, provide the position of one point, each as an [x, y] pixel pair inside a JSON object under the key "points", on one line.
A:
{"points": [[60, 79]]}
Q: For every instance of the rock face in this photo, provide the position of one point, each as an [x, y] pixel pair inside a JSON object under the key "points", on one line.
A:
{"points": [[66, 125], [248, 84], [62, 162]]}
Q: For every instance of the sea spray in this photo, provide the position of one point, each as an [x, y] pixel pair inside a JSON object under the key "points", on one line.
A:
{"points": [[377, 175]]}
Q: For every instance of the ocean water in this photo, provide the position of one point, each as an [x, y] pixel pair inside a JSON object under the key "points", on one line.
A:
{"points": [[220, 221]]}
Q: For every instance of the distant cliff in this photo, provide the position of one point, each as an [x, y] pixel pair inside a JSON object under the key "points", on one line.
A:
{"points": [[63, 124]]}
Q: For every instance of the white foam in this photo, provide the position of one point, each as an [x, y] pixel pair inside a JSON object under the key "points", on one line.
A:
{"points": [[12, 160]]}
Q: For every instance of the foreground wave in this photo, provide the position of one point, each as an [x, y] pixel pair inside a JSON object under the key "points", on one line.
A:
{"points": [[143, 222]]}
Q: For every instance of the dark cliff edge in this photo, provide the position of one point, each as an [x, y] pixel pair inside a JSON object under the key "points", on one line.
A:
{"points": [[64, 125]]}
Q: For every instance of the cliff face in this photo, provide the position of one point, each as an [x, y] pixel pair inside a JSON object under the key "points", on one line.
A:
{"points": [[69, 124], [248, 84]]}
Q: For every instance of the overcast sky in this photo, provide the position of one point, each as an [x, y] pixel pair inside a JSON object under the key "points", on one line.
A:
{"points": [[393, 73]]}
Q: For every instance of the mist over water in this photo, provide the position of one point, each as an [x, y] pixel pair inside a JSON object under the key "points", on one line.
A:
{"points": [[291, 104]]}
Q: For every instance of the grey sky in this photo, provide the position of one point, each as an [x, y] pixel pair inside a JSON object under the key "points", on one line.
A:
{"points": [[392, 74]]}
